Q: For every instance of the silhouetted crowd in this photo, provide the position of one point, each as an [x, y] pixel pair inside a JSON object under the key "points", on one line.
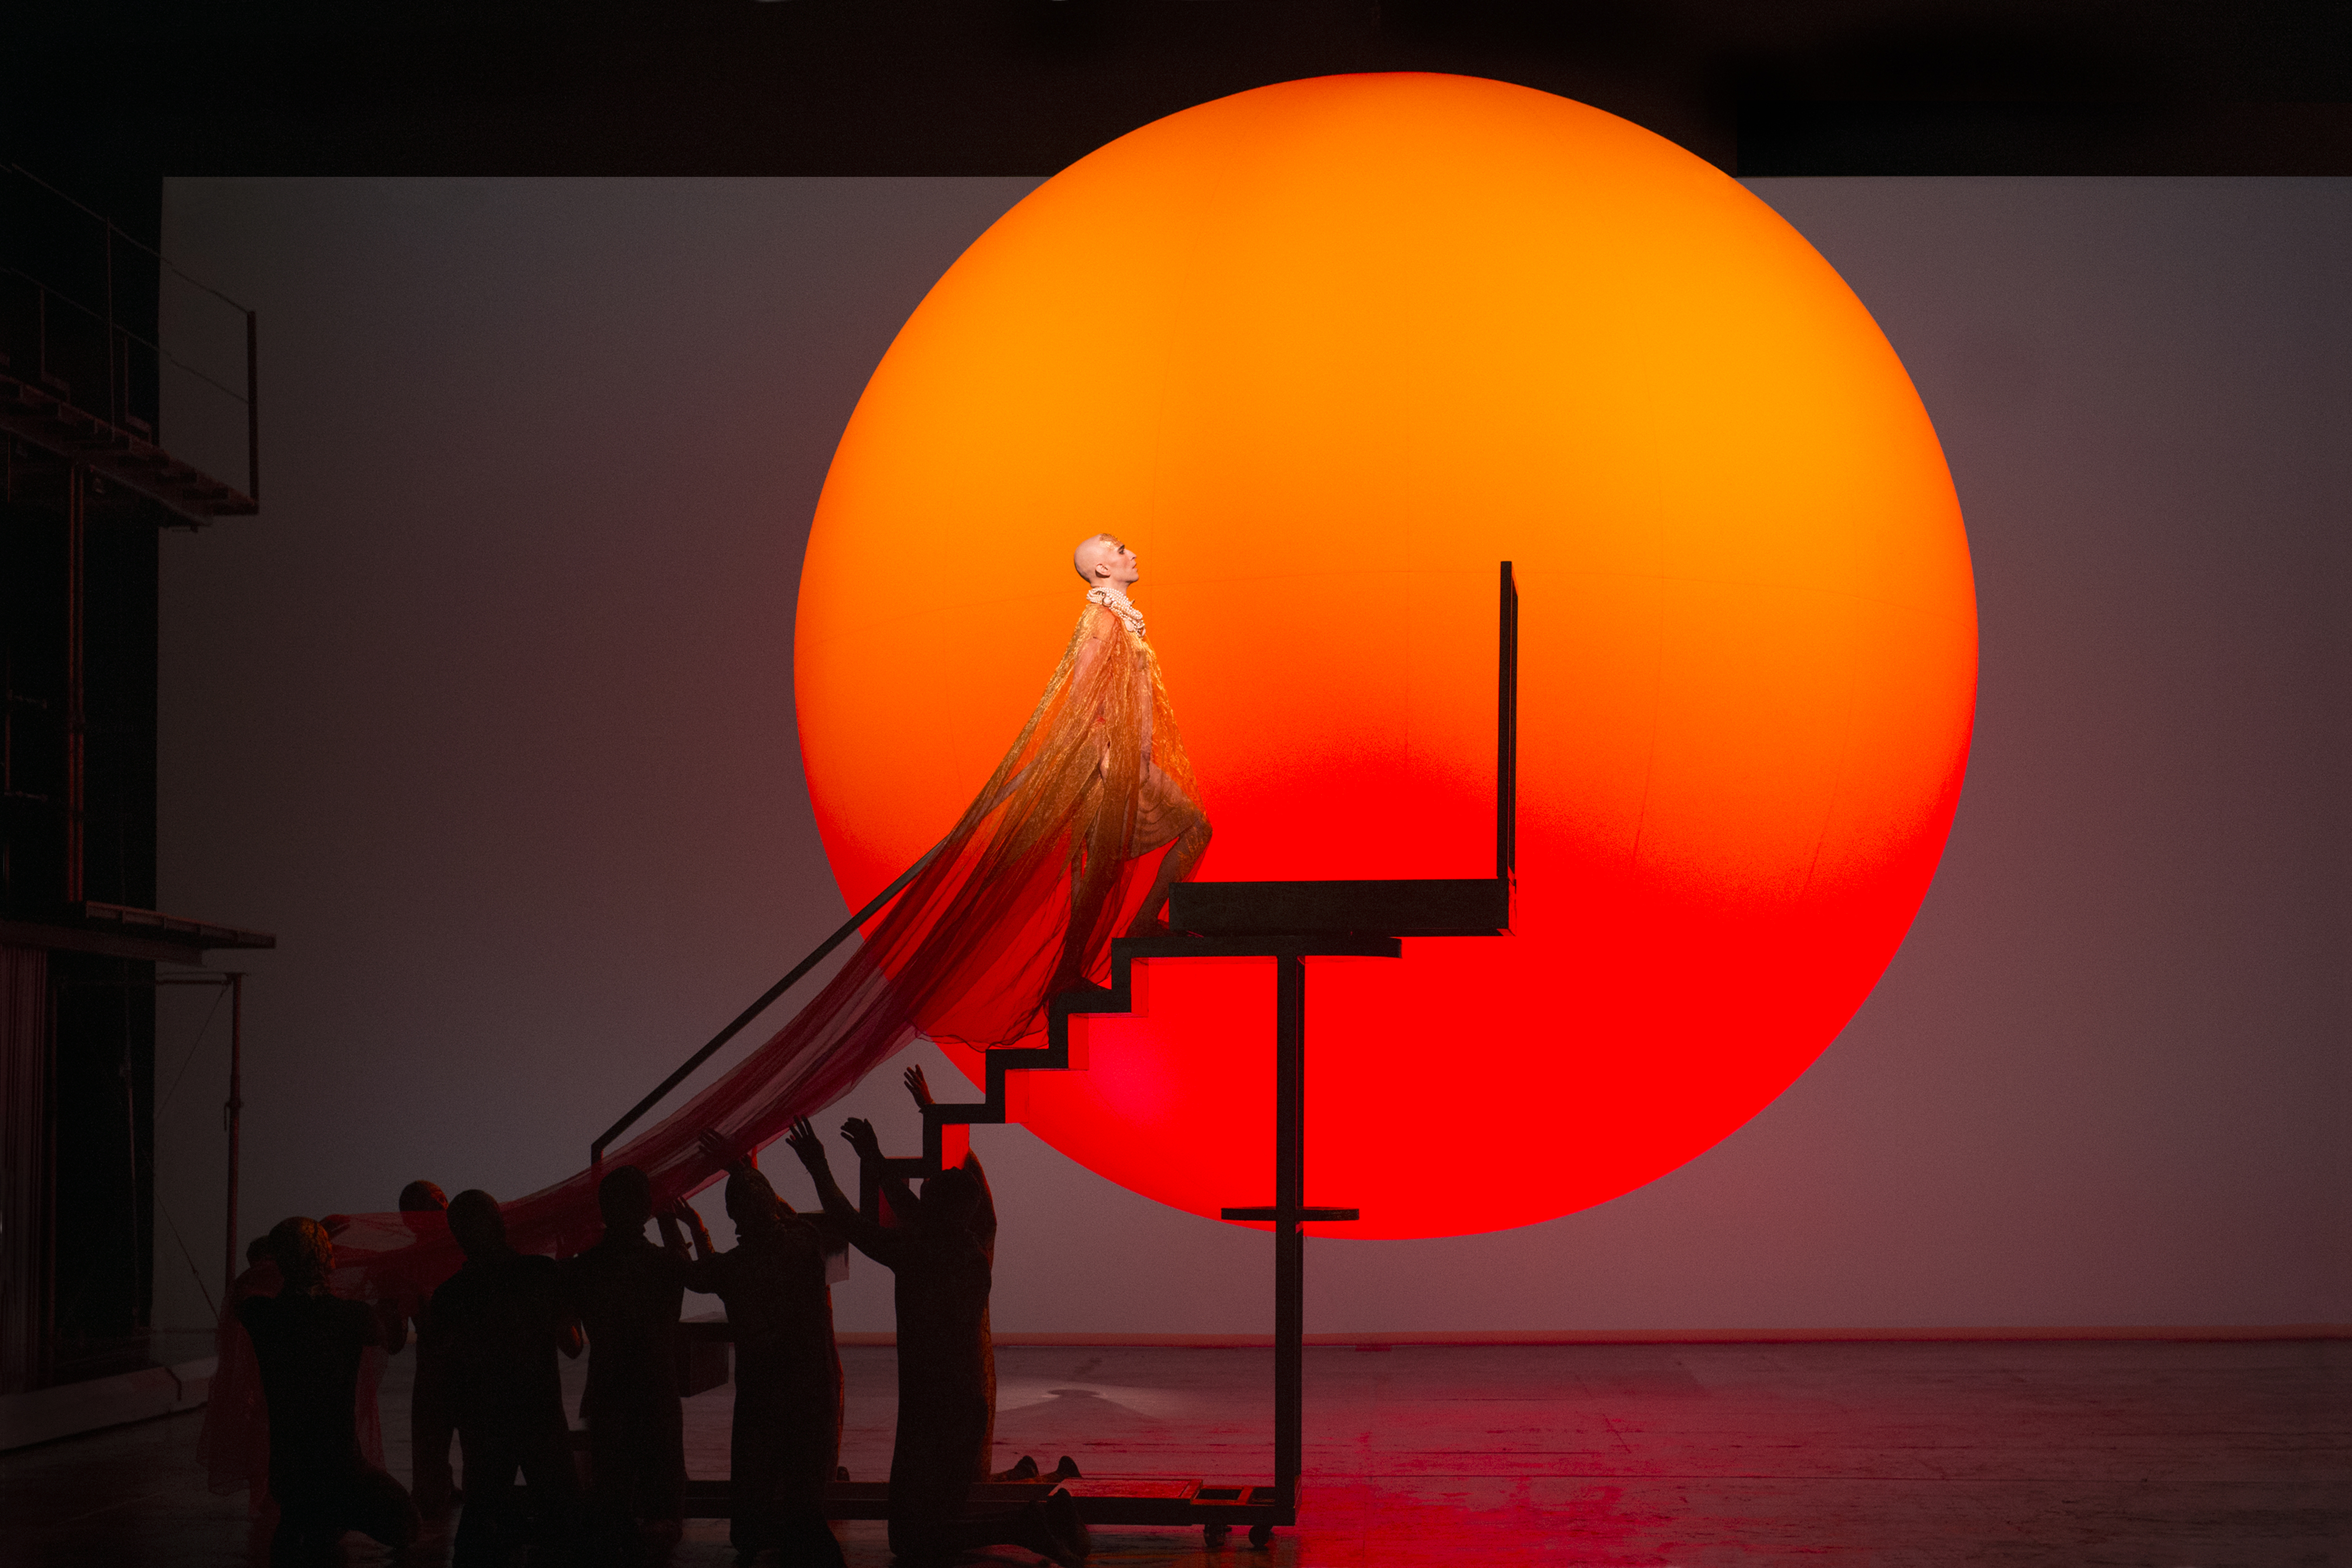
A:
{"points": [[489, 1337]]}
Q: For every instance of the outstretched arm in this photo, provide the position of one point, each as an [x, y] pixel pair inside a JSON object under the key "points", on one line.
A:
{"points": [[803, 1141], [840, 1213], [1091, 651], [859, 1135], [1106, 638]]}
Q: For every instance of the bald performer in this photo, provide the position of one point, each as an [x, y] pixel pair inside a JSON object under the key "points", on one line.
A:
{"points": [[1166, 811]]}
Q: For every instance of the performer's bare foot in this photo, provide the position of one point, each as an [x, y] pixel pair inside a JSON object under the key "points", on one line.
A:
{"points": [[1062, 1518], [1034, 1529]]}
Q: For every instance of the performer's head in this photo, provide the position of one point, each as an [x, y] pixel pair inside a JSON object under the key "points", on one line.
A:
{"points": [[423, 1197], [303, 1253], [625, 1197], [1105, 562], [475, 1221], [752, 1203]]}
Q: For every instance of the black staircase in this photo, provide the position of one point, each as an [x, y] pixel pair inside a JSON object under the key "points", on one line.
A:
{"points": [[1288, 922]]}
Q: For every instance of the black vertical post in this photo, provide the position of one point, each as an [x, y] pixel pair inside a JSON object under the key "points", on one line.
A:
{"points": [[233, 1117], [114, 385], [47, 1332], [252, 408], [1289, 1246], [77, 694], [1507, 731]]}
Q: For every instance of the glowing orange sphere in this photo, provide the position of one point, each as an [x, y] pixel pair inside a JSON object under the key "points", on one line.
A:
{"points": [[1323, 352]]}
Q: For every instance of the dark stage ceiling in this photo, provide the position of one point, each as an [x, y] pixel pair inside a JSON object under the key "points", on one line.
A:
{"points": [[1025, 87]]}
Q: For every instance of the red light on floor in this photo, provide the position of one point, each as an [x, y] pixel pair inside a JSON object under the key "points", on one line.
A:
{"points": [[1323, 352]]}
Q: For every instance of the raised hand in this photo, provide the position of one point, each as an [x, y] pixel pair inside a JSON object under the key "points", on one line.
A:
{"points": [[860, 1135], [722, 1152], [917, 1088], [803, 1141]]}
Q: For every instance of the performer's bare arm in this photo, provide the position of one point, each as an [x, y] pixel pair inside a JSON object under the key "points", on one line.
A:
{"points": [[803, 1141], [984, 1221], [859, 1135], [876, 1241], [1090, 654]]}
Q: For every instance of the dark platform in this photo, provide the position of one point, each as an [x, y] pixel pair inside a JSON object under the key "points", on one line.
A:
{"points": [[1469, 907]]}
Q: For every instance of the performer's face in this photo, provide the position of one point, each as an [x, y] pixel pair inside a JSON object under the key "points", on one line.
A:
{"points": [[1104, 560]]}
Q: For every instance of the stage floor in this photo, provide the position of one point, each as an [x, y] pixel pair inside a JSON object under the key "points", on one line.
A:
{"points": [[2139, 1454]]}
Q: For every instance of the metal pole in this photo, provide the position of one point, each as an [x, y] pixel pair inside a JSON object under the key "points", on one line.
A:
{"points": [[252, 409], [1290, 1245], [48, 1288], [1507, 731], [114, 388], [233, 1113], [76, 719]]}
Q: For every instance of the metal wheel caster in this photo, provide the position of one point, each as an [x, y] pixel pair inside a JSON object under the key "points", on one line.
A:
{"points": [[1260, 1535], [1212, 1536]]}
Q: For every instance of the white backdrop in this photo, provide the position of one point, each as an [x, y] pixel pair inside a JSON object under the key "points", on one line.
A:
{"points": [[488, 715]]}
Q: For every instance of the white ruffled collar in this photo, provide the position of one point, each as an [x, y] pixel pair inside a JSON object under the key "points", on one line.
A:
{"points": [[1118, 605]]}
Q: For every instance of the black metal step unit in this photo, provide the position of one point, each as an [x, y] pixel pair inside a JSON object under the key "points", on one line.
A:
{"points": [[1288, 923]]}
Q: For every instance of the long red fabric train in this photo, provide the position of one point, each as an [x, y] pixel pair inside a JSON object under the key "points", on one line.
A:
{"points": [[1054, 854]]}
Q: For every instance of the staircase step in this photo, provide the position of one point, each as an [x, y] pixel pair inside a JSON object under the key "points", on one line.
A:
{"points": [[1098, 1000]]}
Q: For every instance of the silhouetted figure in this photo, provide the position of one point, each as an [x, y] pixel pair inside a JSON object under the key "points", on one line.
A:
{"points": [[308, 1344], [626, 1291], [983, 1230], [499, 1321], [946, 1363], [431, 1425], [786, 1438]]}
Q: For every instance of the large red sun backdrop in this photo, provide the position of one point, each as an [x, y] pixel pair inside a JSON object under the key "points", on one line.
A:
{"points": [[1323, 352]]}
